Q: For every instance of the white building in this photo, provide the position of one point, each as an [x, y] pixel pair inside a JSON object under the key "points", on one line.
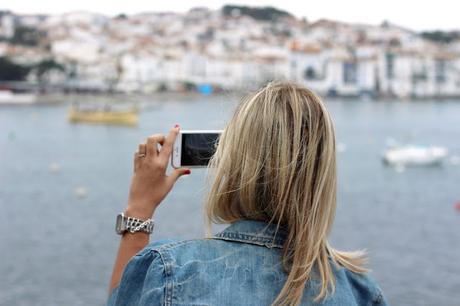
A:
{"points": [[7, 25], [145, 52], [412, 73], [335, 71]]}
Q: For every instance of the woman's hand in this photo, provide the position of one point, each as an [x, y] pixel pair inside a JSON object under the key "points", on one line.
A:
{"points": [[150, 184]]}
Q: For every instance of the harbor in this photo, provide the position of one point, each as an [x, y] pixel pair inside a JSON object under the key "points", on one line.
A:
{"points": [[228, 49], [55, 173], [82, 85]]}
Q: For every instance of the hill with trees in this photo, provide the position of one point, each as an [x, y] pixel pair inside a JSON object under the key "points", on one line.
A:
{"points": [[266, 13]]}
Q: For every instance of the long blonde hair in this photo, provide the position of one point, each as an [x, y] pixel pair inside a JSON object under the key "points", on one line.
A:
{"points": [[276, 162]]}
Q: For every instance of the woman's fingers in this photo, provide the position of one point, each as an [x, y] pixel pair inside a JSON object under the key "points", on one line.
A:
{"points": [[136, 160], [151, 147], [152, 144], [168, 144], [142, 150], [174, 176]]}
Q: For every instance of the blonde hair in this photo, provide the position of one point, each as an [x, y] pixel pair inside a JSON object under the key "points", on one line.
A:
{"points": [[276, 162]]}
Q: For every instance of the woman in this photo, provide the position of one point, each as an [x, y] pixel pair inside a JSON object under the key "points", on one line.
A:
{"points": [[274, 181]]}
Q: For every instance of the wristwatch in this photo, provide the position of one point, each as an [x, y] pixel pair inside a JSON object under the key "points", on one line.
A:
{"points": [[133, 225]]}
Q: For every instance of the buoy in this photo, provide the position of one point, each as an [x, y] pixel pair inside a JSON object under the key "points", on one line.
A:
{"points": [[54, 167], [81, 192]]}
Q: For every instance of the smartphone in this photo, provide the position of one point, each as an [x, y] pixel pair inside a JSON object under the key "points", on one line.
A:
{"points": [[194, 148]]}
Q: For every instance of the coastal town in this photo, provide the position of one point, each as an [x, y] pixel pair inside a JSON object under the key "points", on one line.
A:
{"points": [[234, 48]]}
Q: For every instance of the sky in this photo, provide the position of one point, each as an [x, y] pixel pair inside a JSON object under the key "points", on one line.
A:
{"points": [[417, 15]]}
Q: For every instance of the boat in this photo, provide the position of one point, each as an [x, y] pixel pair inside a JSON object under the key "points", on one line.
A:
{"points": [[7, 97], [105, 115], [411, 155]]}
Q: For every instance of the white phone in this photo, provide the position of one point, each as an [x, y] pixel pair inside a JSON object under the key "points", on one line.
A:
{"points": [[194, 148]]}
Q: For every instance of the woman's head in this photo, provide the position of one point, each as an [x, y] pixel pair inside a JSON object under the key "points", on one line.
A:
{"points": [[276, 162]]}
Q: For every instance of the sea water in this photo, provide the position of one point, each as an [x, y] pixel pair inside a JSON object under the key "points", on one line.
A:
{"points": [[62, 184]]}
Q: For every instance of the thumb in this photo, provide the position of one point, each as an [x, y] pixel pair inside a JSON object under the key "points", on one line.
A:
{"points": [[174, 176]]}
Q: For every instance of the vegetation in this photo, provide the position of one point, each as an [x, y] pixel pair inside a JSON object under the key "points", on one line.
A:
{"points": [[26, 36], [267, 13], [121, 16], [47, 65], [441, 36], [10, 71], [43, 69]]}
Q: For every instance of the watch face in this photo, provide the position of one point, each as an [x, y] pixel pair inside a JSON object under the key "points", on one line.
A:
{"points": [[120, 226]]}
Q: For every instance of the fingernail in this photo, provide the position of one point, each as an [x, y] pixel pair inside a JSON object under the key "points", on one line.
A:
{"points": [[187, 172], [176, 126]]}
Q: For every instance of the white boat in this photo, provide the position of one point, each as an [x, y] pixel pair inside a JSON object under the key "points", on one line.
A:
{"points": [[414, 156], [7, 97]]}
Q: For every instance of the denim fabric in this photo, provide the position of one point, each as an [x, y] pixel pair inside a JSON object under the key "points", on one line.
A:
{"points": [[239, 266]]}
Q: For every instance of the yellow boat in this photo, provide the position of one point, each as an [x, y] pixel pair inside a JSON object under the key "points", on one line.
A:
{"points": [[104, 116]]}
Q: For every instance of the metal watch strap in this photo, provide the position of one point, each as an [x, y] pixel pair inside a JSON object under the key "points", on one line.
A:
{"points": [[133, 225], [137, 225]]}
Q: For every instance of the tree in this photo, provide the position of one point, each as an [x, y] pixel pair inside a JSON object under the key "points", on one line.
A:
{"points": [[47, 65], [10, 71], [26, 36], [267, 13], [44, 68], [441, 36], [121, 16]]}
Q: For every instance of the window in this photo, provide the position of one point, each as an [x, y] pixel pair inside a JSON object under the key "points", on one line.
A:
{"points": [[440, 71], [390, 59], [350, 72], [309, 73]]}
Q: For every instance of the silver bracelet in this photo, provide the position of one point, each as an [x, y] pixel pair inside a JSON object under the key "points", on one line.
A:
{"points": [[133, 225], [138, 225]]}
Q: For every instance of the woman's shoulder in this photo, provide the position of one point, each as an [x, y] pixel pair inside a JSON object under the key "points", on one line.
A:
{"points": [[171, 244], [164, 244], [202, 252], [171, 247], [150, 271], [177, 247], [361, 285]]}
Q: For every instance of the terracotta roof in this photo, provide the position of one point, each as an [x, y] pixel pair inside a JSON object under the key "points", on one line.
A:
{"points": [[297, 47]]}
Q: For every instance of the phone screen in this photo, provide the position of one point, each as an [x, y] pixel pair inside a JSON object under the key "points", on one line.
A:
{"points": [[198, 148]]}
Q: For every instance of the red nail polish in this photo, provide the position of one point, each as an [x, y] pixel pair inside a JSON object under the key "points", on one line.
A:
{"points": [[187, 172], [176, 126]]}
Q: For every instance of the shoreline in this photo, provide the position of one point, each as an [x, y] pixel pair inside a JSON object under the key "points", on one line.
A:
{"points": [[58, 98]]}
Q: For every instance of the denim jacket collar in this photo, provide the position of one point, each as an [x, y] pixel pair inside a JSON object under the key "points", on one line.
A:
{"points": [[254, 232]]}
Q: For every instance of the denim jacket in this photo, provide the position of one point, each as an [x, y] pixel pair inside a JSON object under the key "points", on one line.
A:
{"points": [[239, 266]]}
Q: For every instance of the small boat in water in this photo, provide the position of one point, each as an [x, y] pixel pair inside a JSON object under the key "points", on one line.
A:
{"points": [[414, 156], [7, 97], [104, 115]]}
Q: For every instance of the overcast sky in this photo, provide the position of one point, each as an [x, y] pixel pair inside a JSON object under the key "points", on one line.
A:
{"points": [[417, 15]]}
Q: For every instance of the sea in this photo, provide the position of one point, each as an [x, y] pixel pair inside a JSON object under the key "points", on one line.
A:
{"points": [[62, 184]]}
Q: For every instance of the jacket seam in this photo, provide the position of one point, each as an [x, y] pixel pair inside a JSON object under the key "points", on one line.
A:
{"points": [[169, 284], [249, 239], [172, 245]]}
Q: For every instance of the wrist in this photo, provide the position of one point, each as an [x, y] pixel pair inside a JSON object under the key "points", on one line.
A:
{"points": [[139, 213], [138, 239]]}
